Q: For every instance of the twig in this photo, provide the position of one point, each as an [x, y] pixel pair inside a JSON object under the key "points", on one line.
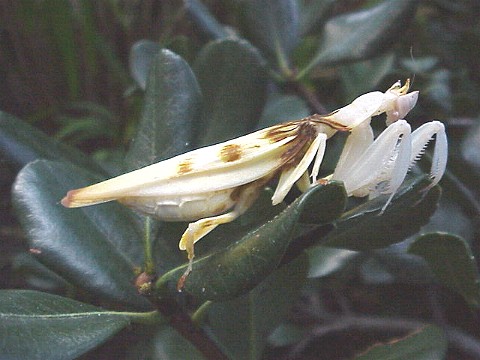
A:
{"points": [[311, 98], [183, 323]]}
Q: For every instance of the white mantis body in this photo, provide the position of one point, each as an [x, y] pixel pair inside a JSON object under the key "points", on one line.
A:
{"points": [[216, 184]]}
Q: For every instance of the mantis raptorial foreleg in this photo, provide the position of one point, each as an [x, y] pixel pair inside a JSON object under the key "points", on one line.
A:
{"points": [[357, 143], [381, 167], [420, 139]]}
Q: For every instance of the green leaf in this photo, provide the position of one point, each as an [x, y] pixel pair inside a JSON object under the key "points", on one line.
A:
{"points": [[242, 265], [325, 261], [393, 265], [282, 108], [22, 143], [362, 34], [419, 65], [333, 202], [141, 57], [426, 344], [95, 248], [166, 250], [35, 325], [258, 313], [469, 149], [287, 334], [313, 13], [274, 27], [207, 23], [363, 228], [362, 77], [452, 261], [83, 128], [439, 89], [161, 342], [233, 79], [172, 103], [37, 275]]}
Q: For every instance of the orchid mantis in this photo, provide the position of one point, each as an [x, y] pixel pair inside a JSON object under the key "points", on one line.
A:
{"points": [[214, 185]]}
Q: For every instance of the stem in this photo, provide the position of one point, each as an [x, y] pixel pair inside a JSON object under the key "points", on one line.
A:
{"points": [[147, 247], [465, 193], [148, 318], [283, 62], [199, 315], [186, 327], [311, 98]]}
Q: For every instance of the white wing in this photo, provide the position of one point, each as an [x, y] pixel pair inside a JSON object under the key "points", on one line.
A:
{"points": [[226, 165]]}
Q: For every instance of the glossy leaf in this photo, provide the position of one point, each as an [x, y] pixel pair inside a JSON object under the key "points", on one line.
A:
{"points": [[22, 143], [207, 23], [274, 25], [161, 342], [37, 275], [324, 260], [439, 89], [419, 65], [232, 77], [239, 267], [394, 265], [95, 248], [313, 13], [141, 57], [463, 225], [168, 255], [35, 325], [452, 261], [362, 77], [287, 334], [256, 314], [172, 103], [92, 123], [363, 228], [363, 34], [469, 149], [282, 108], [425, 344], [333, 200]]}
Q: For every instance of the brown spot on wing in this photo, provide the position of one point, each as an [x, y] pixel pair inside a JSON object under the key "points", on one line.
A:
{"points": [[184, 167], [231, 152]]}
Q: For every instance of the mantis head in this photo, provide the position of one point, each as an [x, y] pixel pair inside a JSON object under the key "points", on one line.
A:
{"points": [[398, 102]]}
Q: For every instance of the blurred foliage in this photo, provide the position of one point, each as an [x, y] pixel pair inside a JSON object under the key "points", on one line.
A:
{"points": [[133, 82]]}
